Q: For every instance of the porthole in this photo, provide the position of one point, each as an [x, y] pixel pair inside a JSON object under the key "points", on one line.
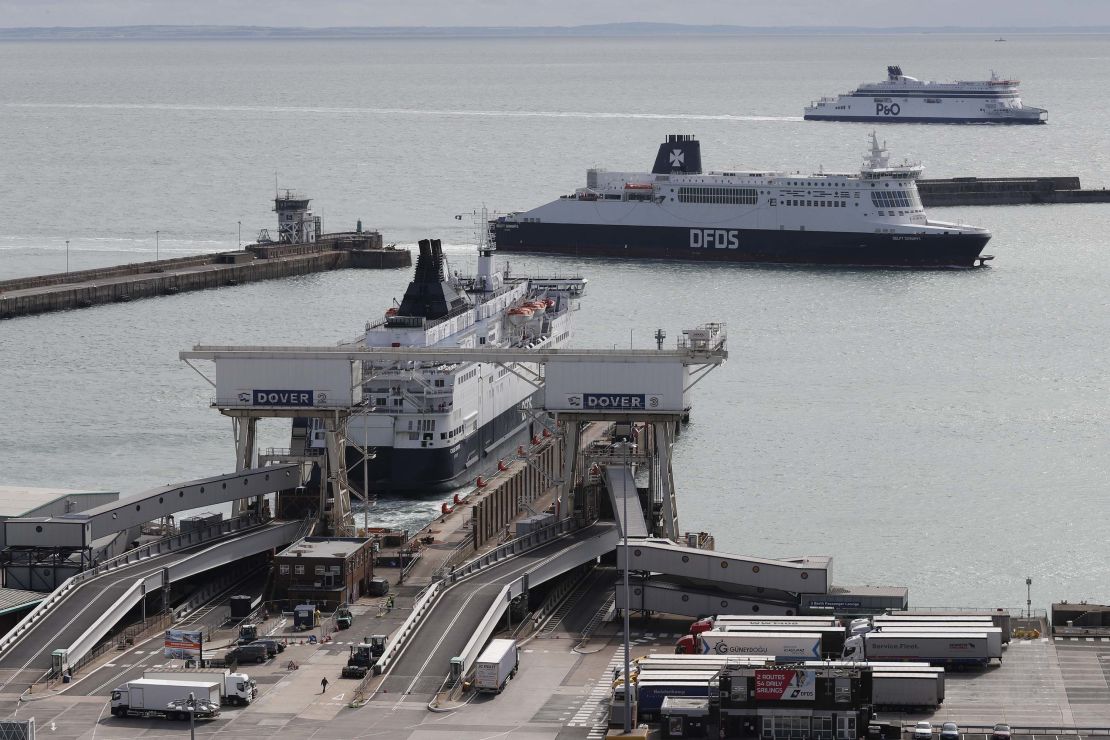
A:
{"points": [[38, 528], [804, 575], [137, 507], [181, 494], [724, 563], [724, 604], [245, 481], [267, 477], [637, 553], [755, 569], [755, 607], [160, 500], [685, 597], [223, 485], [686, 558], [202, 489]]}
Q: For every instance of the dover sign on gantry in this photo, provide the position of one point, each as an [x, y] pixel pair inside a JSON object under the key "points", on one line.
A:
{"points": [[614, 401]]}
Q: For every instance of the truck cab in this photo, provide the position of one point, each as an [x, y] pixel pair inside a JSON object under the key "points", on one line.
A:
{"points": [[248, 633]]}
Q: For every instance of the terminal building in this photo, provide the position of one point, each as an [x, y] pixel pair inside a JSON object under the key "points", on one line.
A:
{"points": [[326, 571]]}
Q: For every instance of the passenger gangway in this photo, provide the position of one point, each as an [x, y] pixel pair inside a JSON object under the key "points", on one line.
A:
{"points": [[806, 575], [82, 612], [621, 484], [670, 596]]}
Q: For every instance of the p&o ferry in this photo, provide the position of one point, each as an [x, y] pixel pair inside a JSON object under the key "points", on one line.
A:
{"points": [[432, 427], [870, 218], [904, 99]]}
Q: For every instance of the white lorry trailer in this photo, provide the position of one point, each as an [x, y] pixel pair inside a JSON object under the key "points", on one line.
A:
{"points": [[783, 646], [939, 649], [496, 665], [905, 691], [148, 697], [993, 634], [236, 689]]}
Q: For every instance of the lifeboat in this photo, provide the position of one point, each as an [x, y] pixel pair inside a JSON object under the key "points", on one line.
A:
{"points": [[549, 302], [519, 316], [538, 308], [638, 186], [391, 312]]}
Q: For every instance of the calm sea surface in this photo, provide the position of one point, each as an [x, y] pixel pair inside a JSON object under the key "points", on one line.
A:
{"points": [[943, 430]]}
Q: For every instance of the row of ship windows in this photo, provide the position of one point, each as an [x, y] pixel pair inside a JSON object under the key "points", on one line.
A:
{"points": [[891, 199], [817, 203], [383, 401], [723, 196], [453, 433]]}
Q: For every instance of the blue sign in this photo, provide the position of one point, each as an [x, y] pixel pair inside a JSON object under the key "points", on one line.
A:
{"points": [[283, 398], [614, 401]]}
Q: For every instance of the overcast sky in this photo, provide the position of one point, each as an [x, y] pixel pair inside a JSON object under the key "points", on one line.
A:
{"points": [[319, 13]]}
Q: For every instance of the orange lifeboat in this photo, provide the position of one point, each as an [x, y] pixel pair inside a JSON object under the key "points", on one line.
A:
{"points": [[549, 302], [391, 312], [519, 316], [638, 186]]}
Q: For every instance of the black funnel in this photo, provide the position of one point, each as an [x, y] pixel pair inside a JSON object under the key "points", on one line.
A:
{"points": [[680, 153], [429, 295]]}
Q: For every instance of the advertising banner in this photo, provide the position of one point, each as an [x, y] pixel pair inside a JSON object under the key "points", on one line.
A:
{"points": [[183, 644], [785, 685]]}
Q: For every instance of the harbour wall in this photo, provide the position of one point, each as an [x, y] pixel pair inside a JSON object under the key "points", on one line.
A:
{"points": [[60, 292], [995, 191]]}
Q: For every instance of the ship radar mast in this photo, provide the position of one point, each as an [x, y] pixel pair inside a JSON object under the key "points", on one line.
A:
{"points": [[876, 162]]}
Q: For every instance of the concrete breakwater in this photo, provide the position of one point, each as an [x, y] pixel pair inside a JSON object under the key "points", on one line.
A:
{"points": [[994, 191], [64, 291]]}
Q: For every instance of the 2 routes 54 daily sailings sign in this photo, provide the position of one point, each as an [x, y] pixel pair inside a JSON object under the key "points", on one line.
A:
{"points": [[785, 685]]}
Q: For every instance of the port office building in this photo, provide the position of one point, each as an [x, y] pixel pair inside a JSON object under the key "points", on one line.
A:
{"points": [[326, 571], [794, 702]]}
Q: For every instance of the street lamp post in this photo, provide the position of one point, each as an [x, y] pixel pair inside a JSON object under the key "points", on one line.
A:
{"points": [[627, 594], [240, 234], [1029, 597], [156, 246], [190, 706], [67, 256]]}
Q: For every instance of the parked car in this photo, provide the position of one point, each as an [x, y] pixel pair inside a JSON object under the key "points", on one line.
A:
{"points": [[949, 731], [1001, 732], [923, 731], [252, 653], [273, 647]]}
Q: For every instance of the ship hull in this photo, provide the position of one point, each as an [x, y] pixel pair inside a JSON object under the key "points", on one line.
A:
{"points": [[751, 245], [420, 471], [1007, 121]]}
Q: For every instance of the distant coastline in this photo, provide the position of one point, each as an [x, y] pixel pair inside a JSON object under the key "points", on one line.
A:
{"points": [[154, 33]]}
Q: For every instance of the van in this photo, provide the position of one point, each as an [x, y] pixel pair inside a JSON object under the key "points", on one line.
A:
{"points": [[252, 653], [273, 647]]}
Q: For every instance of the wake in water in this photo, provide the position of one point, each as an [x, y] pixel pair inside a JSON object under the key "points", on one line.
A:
{"points": [[405, 111]]}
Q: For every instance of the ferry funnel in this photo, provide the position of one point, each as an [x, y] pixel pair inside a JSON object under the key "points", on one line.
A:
{"points": [[680, 153]]}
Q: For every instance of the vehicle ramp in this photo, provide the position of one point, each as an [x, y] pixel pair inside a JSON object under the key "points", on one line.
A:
{"points": [[465, 615], [808, 575], [84, 609], [621, 485]]}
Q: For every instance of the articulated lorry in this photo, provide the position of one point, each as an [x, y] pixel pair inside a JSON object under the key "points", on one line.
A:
{"points": [[148, 697], [783, 646], [496, 665], [832, 637], [236, 689], [938, 649], [993, 635]]}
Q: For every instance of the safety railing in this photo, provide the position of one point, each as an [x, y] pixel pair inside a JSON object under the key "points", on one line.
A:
{"points": [[420, 607], [513, 547], [1023, 729]]}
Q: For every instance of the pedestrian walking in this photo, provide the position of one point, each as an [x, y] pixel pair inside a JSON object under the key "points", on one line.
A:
{"points": [[323, 684]]}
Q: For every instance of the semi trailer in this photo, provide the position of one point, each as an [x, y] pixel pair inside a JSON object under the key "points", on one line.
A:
{"points": [[782, 646], [148, 697]]}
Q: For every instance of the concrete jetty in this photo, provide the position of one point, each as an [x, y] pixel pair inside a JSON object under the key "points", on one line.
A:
{"points": [[996, 191], [63, 291]]}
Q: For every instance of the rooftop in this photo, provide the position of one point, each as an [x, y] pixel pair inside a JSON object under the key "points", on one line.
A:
{"points": [[324, 547], [19, 500], [12, 599]]}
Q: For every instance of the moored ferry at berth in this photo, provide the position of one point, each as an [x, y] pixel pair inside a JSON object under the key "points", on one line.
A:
{"points": [[870, 218], [904, 99], [432, 427]]}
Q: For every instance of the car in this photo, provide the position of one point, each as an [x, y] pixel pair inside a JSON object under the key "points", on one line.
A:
{"points": [[923, 731], [1001, 732], [949, 731]]}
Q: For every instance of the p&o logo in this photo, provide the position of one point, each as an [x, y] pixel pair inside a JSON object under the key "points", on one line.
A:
{"points": [[884, 109]]}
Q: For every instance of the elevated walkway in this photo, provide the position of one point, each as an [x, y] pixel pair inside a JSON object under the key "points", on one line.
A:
{"points": [[675, 597], [621, 485], [808, 575], [80, 613], [78, 531]]}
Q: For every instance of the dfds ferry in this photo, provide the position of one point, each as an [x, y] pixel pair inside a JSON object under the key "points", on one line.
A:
{"points": [[870, 218], [434, 426], [909, 100]]}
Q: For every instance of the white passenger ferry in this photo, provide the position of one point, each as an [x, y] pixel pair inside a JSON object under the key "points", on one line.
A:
{"points": [[909, 100], [436, 426], [872, 217]]}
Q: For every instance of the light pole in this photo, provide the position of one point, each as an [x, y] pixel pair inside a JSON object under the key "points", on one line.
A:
{"points": [[240, 234], [627, 594], [1029, 597], [190, 706], [67, 256], [156, 246]]}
